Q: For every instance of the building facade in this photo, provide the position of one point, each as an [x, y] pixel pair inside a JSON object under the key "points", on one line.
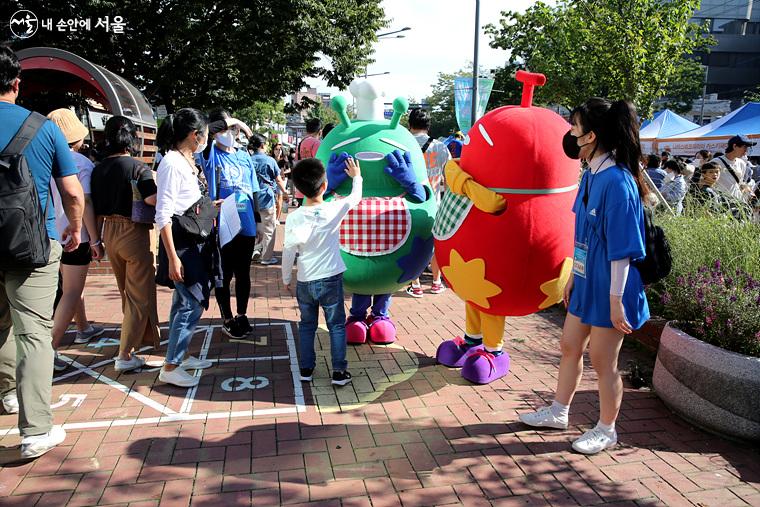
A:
{"points": [[733, 64]]}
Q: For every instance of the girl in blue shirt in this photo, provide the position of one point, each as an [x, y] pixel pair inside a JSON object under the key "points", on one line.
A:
{"points": [[605, 296], [229, 171]]}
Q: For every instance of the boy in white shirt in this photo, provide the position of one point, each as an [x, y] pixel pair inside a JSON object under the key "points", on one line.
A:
{"points": [[313, 232]]}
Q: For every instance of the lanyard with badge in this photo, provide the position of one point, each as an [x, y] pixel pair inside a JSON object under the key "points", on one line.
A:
{"points": [[580, 253]]}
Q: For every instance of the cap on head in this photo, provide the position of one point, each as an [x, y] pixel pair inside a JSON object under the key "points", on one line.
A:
{"points": [[741, 140]]}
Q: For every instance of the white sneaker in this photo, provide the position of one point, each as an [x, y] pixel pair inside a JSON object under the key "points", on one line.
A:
{"points": [[594, 441], [37, 445], [133, 363], [178, 377], [86, 336], [193, 363], [10, 403], [544, 418]]}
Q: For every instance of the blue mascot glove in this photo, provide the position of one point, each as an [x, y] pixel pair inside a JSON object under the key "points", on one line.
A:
{"points": [[336, 170], [400, 168]]}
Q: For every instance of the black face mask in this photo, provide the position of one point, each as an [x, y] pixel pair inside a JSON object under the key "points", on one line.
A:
{"points": [[571, 147]]}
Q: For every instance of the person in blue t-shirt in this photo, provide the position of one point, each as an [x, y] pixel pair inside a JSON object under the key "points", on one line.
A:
{"points": [[229, 172], [269, 179], [27, 294], [455, 145], [655, 171], [605, 297]]}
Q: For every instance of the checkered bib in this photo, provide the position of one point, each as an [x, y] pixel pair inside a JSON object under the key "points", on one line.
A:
{"points": [[377, 226], [451, 214]]}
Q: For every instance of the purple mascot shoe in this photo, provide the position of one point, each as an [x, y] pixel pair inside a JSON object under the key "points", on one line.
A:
{"points": [[356, 331], [482, 367], [453, 353], [382, 330]]}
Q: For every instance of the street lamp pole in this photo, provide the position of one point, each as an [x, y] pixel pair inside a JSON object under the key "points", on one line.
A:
{"points": [[381, 35], [704, 92], [474, 113]]}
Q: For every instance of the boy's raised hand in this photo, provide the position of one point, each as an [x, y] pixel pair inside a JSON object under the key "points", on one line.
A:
{"points": [[352, 168], [336, 173]]}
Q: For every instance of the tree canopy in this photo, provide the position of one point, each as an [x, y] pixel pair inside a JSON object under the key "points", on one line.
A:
{"points": [[620, 49], [203, 54]]}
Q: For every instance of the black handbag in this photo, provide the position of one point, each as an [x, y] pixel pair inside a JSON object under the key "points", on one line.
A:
{"points": [[197, 221]]}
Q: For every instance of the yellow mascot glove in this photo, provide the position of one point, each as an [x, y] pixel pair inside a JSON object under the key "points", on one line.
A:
{"points": [[462, 183]]}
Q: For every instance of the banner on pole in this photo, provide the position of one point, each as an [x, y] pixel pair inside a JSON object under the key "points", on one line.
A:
{"points": [[463, 100]]}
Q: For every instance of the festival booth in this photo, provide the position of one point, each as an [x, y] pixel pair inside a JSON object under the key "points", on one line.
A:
{"points": [[53, 78], [665, 123], [714, 136]]}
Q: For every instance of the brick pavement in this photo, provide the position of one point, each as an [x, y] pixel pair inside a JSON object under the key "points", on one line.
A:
{"points": [[407, 432]]}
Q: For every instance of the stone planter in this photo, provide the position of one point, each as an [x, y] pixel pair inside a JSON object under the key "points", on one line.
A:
{"points": [[713, 388]]}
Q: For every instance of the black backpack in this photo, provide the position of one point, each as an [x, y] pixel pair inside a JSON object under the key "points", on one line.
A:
{"points": [[23, 224], [658, 261]]}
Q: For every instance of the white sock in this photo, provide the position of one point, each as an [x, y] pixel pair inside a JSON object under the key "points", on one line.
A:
{"points": [[608, 429], [437, 280], [416, 285], [559, 410]]}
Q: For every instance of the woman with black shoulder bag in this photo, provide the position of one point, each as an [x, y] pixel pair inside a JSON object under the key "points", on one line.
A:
{"points": [[185, 217]]}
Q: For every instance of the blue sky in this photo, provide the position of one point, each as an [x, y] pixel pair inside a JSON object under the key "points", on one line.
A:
{"points": [[441, 40]]}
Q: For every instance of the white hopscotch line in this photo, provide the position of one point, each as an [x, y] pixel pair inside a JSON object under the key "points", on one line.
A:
{"points": [[171, 416], [121, 387], [187, 404]]}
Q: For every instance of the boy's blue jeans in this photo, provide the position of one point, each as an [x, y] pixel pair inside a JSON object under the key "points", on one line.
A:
{"points": [[327, 293]]}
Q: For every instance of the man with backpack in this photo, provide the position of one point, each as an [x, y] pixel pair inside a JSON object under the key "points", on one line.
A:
{"points": [[34, 150], [436, 155]]}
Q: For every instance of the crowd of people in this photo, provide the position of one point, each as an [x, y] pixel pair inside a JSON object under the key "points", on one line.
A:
{"points": [[115, 201], [118, 200], [715, 182]]}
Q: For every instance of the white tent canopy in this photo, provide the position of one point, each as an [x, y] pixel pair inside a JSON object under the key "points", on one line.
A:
{"points": [[714, 136], [665, 123]]}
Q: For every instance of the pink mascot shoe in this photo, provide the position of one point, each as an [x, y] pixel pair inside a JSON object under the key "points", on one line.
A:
{"points": [[382, 330], [356, 331]]}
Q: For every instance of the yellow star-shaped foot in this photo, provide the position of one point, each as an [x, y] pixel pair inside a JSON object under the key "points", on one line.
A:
{"points": [[555, 288], [468, 279]]}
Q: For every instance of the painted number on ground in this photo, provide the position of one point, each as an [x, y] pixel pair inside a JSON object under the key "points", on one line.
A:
{"points": [[239, 383], [75, 399]]}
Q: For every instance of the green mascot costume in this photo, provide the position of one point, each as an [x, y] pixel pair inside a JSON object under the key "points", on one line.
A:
{"points": [[387, 240]]}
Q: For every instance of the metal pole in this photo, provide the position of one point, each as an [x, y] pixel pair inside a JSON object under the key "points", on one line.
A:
{"points": [[474, 114], [704, 92]]}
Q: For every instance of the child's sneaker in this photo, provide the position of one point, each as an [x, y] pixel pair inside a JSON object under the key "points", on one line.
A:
{"points": [[437, 288], [415, 292], [341, 378], [307, 374]]}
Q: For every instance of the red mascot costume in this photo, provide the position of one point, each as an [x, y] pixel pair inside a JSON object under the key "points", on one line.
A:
{"points": [[504, 229]]}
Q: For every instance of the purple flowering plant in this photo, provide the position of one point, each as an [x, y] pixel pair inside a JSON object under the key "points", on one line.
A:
{"points": [[717, 305]]}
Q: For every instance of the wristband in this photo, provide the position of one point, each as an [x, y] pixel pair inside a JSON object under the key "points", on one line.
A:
{"points": [[96, 243]]}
